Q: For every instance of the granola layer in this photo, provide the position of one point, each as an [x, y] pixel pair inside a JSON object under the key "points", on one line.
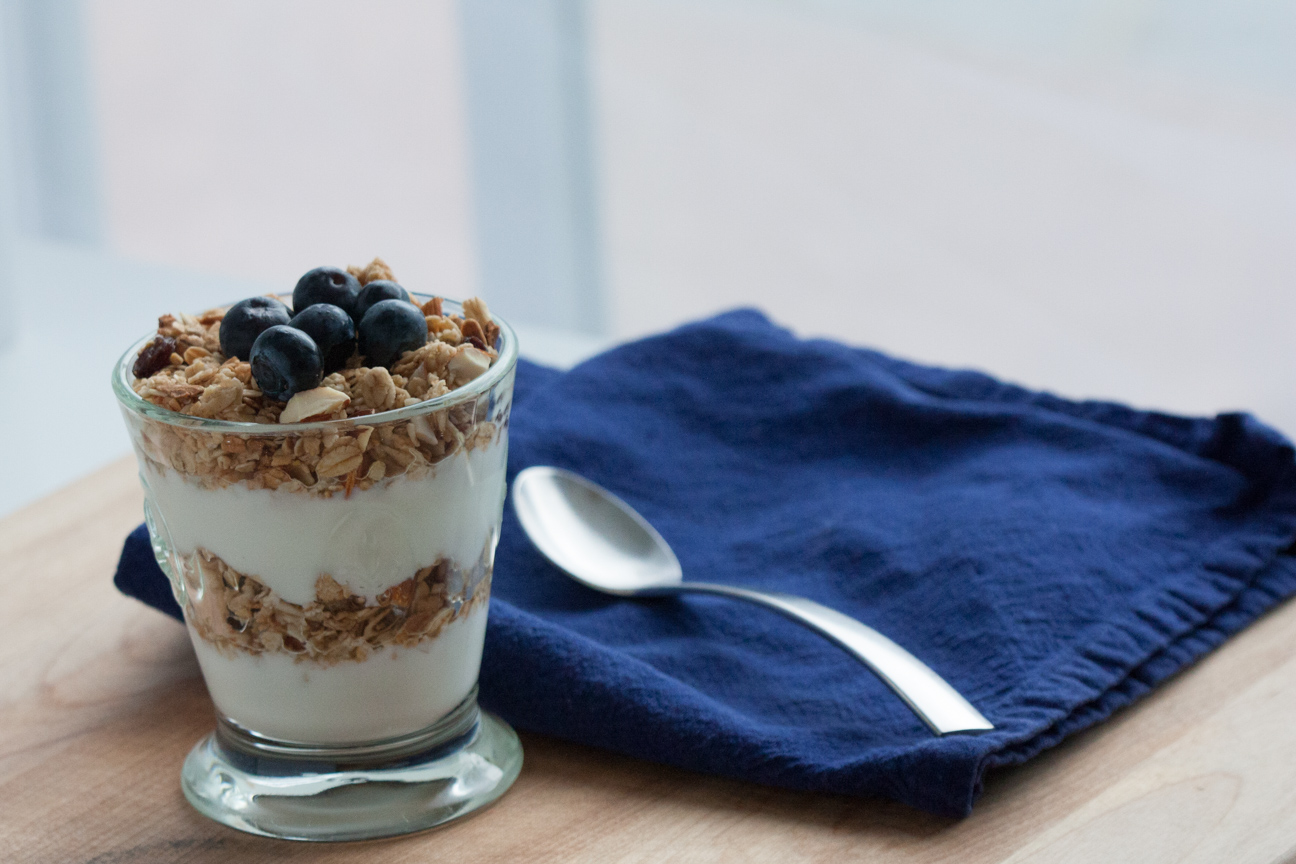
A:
{"points": [[323, 463], [238, 614]]}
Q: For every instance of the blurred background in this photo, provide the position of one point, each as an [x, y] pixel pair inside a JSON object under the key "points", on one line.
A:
{"points": [[1095, 198]]}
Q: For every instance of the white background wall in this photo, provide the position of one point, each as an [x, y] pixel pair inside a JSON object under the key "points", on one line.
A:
{"points": [[261, 138], [1096, 198]]}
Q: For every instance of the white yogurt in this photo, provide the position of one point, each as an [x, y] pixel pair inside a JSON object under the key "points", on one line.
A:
{"points": [[376, 538], [370, 541], [394, 692]]}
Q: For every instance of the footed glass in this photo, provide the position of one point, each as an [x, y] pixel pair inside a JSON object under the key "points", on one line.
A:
{"points": [[335, 580]]}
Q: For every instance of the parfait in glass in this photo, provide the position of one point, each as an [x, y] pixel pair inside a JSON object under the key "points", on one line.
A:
{"points": [[331, 547]]}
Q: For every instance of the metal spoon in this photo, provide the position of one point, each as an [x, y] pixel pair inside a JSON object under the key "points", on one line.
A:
{"points": [[601, 542]]}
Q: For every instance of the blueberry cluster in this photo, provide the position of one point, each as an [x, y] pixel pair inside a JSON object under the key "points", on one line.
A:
{"points": [[293, 349]]}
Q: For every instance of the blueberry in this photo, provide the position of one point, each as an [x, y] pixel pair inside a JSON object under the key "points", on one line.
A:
{"points": [[375, 292], [286, 361], [326, 285], [333, 331], [389, 329], [245, 321]]}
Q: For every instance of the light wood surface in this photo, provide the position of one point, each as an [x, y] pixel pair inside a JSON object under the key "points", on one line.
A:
{"points": [[100, 699]]}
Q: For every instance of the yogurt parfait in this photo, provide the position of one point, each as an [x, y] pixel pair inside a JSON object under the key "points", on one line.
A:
{"points": [[324, 478]]}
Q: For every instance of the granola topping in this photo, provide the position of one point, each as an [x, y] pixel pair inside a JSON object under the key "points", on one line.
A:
{"points": [[183, 370], [179, 378]]}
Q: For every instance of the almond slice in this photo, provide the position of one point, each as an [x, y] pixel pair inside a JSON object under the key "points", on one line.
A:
{"points": [[474, 309], [468, 363], [321, 401]]}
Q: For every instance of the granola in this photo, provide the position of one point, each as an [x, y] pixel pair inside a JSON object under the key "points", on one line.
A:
{"points": [[183, 370], [237, 613], [200, 381]]}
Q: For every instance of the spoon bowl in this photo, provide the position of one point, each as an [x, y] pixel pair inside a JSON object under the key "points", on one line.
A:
{"points": [[603, 543], [592, 535]]}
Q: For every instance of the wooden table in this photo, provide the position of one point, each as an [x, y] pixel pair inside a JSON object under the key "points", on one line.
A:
{"points": [[101, 699]]}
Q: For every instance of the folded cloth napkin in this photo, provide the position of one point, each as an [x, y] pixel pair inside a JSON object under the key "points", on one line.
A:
{"points": [[1052, 560]]}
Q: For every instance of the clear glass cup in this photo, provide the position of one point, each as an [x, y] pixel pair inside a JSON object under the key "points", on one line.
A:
{"points": [[335, 578]]}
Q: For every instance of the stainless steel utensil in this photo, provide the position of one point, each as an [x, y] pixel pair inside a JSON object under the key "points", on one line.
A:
{"points": [[601, 542]]}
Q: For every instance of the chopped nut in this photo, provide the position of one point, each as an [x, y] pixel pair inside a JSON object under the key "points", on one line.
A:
{"points": [[467, 363], [475, 310], [320, 402], [474, 334]]}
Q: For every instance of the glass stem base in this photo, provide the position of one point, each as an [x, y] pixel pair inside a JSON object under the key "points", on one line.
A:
{"points": [[297, 792]]}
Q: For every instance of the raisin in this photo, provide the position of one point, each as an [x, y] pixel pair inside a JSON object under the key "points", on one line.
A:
{"points": [[154, 357], [476, 342]]}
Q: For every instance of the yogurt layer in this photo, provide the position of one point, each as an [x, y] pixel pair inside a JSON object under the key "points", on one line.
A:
{"points": [[395, 692], [368, 542]]}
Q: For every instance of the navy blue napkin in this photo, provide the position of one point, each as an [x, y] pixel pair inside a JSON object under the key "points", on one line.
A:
{"points": [[1053, 560]]}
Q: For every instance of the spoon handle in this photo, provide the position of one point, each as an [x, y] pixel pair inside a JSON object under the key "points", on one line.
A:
{"points": [[938, 704]]}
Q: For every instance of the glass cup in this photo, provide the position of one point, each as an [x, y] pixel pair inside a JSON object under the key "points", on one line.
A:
{"points": [[335, 578]]}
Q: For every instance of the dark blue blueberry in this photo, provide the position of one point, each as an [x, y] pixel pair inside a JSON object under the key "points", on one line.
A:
{"points": [[333, 331], [389, 329], [326, 285], [375, 292], [286, 361], [245, 321]]}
